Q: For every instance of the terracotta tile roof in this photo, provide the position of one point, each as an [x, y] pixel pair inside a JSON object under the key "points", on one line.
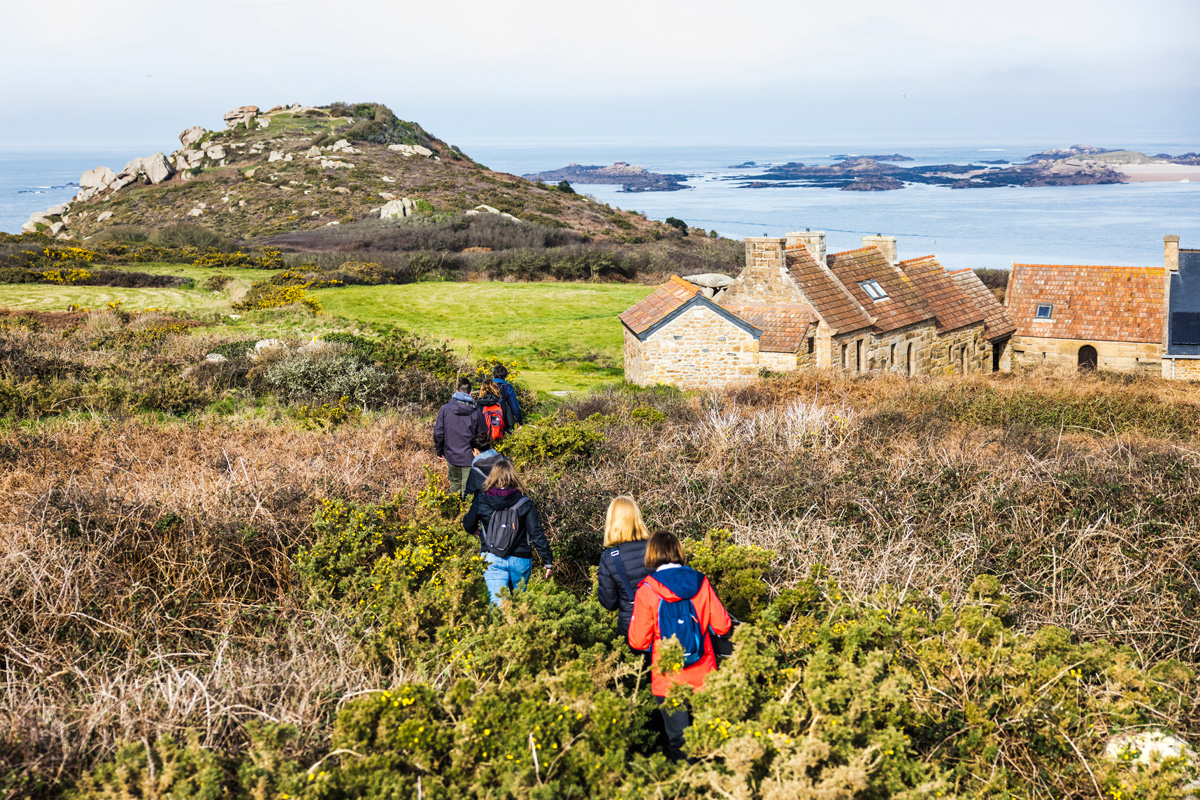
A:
{"points": [[903, 305], [1111, 304], [830, 299], [996, 322], [667, 298], [784, 325], [952, 307]]}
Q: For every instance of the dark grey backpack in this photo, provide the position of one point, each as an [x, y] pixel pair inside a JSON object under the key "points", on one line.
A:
{"points": [[503, 529]]}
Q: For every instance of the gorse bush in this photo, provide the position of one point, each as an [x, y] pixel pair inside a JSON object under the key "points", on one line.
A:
{"points": [[827, 694]]}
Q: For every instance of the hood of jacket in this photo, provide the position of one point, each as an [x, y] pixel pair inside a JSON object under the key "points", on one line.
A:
{"points": [[677, 583], [502, 498], [486, 462], [462, 404], [489, 399]]}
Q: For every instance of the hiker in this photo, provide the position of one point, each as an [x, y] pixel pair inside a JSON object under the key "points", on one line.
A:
{"points": [[458, 422], [485, 457], [499, 373], [509, 530], [675, 600], [623, 563], [497, 412]]}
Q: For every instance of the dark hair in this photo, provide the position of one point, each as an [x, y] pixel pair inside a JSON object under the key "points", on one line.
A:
{"points": [[481, 441], [663, 548], [464, 385], [500, 371]]}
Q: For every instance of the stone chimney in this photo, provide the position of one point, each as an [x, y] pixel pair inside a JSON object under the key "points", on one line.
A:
{"points": [[765, 253], [1171, 253], [813, 241], [885, 245]]}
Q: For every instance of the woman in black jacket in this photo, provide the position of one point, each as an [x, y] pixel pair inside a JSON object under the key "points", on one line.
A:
{"points": [[623, 564], [511, 568]]}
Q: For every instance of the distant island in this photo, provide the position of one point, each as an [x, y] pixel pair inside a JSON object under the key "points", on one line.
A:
{"points": [[630, 177], [1072, 166]]}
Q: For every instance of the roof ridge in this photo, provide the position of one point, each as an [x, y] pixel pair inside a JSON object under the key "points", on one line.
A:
{"points": [[918, 258], [1086, 266], [855, 250], [683, 283]]}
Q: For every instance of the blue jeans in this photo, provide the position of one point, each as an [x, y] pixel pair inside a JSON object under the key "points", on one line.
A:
{"points": [[501, 573]]}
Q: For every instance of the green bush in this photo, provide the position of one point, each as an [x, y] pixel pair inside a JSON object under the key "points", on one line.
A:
{"points": [[327, 377], [216, 283], [560, 443]]}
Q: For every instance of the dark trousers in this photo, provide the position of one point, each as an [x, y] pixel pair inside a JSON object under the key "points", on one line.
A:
{"points": [[458, 478], [675, 722]]}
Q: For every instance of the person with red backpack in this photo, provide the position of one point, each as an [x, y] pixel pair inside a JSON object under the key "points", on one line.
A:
{"points": [[676, 601], [497, 414]]}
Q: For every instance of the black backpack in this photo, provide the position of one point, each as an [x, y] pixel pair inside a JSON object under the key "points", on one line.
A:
{"points": [[502, 530]]}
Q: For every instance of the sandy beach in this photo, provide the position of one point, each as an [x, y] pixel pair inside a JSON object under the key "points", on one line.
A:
{"points": [[1147, 173]]}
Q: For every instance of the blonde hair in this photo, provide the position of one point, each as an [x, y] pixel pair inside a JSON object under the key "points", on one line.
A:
{"points": [[503, 476], [489, 387], [623, 522]]}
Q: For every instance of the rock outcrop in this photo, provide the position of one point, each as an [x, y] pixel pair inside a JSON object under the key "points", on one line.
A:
{"points": [[192, 135], [395, 209], [240, 116]]}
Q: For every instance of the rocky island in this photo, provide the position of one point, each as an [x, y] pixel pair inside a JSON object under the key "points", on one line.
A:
{"points": [[630, 177], [1073, 166]]}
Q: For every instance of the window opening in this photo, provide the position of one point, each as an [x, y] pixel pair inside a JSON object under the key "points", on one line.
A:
{"points": [[1044, 311], [873, 289]]}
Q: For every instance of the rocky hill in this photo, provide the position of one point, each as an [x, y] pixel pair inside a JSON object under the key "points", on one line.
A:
{"points": [[298, 168]]}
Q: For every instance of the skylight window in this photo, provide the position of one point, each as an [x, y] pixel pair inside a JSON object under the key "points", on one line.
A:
{"points": [[873, 289], [1044, 311]]}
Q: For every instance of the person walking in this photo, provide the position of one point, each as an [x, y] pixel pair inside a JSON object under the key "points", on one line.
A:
{"points": [[623, 563], [458, 422], [485, 457], [676, 601], [497, 413], [499, 374], [503, 506]]}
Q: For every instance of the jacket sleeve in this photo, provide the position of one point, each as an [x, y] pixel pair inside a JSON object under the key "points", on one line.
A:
{"points": [[478, 426], [606, 584], [439, 433], [474, 480], [511, 393], [537, 537], [712, 612], [510, 416], [643, 628], [472, 519]]}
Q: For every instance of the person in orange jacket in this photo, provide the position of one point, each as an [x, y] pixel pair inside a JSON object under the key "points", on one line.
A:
{"points": [[670, 581]]}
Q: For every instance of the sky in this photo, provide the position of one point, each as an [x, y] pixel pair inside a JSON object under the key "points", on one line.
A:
{"points": [[654, 72]]}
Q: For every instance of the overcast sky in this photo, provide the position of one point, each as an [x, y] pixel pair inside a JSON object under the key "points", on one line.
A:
{"points": [[99, 72]]}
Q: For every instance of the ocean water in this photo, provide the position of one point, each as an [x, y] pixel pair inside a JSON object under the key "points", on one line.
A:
{"points": [[1120, 224]]}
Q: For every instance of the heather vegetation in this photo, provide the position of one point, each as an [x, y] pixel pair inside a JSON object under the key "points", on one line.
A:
{"points": [[245, 578]]}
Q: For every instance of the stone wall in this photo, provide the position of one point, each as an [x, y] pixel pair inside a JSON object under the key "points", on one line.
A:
{"points": [[1181, 369], [1030, 352], [778, 362], [696, 350], [930, 353]]}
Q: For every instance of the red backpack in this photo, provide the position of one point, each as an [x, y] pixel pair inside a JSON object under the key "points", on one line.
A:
{"points": [[493, 417]]}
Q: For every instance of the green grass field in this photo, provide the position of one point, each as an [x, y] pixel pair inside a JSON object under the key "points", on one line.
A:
{"points": [[564, 336]]}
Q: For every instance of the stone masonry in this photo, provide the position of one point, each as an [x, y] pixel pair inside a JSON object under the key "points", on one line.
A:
{"points": [[697, 349]]}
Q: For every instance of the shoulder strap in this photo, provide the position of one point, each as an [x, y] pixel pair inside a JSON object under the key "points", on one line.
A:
{"points": [[520, 502], [616, 557]]}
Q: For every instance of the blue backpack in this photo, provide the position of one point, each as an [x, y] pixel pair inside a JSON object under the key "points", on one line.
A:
{"points": [[678, 618]]}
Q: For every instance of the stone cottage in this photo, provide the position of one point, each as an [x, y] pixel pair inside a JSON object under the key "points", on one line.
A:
{"points": [[793, 306], [1127, 319]]}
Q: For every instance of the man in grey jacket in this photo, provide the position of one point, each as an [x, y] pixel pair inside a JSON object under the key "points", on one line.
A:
{"points": [[458, 422]]}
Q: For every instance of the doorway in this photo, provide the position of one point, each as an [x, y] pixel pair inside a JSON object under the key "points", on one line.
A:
{"points": [[1087, 358]]}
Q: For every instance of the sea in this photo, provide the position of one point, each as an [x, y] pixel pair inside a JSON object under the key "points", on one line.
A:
{"points": [[1121, 224]]}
